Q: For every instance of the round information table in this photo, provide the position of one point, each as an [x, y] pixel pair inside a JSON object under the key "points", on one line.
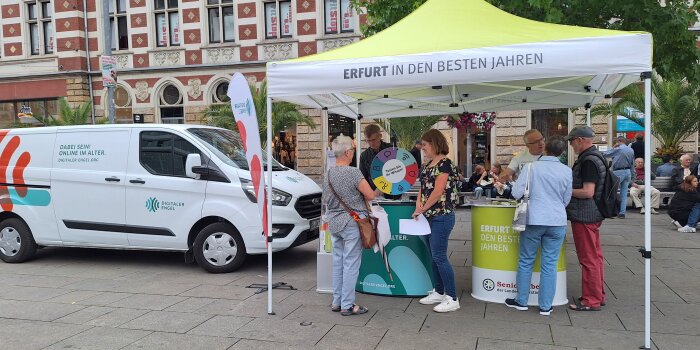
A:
{"points": [[495, 248], [409, 258]]}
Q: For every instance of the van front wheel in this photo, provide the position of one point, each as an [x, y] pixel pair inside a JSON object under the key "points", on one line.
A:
{"points": [[16, 241], [219, 248]]}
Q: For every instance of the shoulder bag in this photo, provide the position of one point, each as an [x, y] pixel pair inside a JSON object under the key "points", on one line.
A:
{"points": [[520, 217], [368, 225]]}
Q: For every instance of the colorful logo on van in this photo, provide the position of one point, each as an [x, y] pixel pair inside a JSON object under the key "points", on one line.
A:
{"points": [[15, 191], [152, 204]]}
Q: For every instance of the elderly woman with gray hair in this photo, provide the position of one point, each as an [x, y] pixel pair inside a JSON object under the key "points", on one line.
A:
{"points": [[345, 183]]}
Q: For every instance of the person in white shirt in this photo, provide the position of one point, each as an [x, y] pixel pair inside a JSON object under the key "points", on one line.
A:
{"points": [[534, 141]]}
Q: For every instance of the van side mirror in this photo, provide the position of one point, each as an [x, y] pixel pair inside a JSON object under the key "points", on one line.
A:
{"points": [[193, 160]]}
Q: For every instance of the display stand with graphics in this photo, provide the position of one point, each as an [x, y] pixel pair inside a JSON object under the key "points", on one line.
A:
{"points": [[402, 267], [410, 273], [394, 170], [495, 247]]}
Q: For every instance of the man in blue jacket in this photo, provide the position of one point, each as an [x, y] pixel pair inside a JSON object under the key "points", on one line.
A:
{"points": [[622, 165]]}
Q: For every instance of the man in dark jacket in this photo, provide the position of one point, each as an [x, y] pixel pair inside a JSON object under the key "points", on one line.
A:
{"points": [[588, 179], [373, 136], [638, 146], [685, 169], [415, 152]]}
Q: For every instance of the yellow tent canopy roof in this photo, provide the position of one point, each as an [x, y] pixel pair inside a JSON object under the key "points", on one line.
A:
{"points": [[446, 25]]}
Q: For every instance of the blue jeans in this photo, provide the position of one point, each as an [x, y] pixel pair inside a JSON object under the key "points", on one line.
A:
{"points": [[440, 229], [625, 178], [479, 191], [550, 238], [347, 254], [694, 216]]}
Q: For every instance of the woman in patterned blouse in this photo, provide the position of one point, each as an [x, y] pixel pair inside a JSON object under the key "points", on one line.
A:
{"points": [[436, 200]]}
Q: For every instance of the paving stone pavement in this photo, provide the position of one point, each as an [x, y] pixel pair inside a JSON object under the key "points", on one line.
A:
{"points": [[101, 299]]}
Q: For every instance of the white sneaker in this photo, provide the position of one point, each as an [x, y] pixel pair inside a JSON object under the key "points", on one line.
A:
{"points": [[447, 305], [676, 223], [433, 297], [686, 228], [653, 211], [641, 211]]}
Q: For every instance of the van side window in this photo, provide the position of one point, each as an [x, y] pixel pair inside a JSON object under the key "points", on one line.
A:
{"points": [[163, 153]]}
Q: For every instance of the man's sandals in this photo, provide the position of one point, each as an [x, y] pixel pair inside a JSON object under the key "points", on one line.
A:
{"points": [[578, 305], [354, 310]]}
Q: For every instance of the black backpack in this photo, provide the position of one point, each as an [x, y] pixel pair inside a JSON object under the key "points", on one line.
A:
{"points": [[609, 202]]}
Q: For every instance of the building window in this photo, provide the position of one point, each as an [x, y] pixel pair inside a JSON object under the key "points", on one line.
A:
{"points": [[167, 23], [219, 93], [117, 21], [41, 110], [122, 106], [552, 122], [339, 16], [221, 28], [278, 19], [171, 110], [39, 19]]}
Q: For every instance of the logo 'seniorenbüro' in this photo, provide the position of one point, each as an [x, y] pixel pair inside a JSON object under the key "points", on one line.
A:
{"points": [[488, 284]]}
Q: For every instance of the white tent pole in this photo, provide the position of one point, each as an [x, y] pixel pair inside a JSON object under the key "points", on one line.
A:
{"points": [[269, 206], [358, 133], [588, 117], [647, 213]]}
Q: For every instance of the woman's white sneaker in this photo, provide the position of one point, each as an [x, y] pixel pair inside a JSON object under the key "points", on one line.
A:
{"points": [[447, 305], [686, 228], [433, 297]]}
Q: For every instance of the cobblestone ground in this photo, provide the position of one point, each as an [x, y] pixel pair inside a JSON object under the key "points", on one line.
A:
{"points": [[98, 299]]}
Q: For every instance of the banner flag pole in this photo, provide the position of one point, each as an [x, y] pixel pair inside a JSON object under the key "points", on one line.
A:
{"points": [[269, 206], [246, 118]]}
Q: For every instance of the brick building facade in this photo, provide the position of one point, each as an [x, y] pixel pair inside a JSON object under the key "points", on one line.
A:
{"points": [[174, 59]]}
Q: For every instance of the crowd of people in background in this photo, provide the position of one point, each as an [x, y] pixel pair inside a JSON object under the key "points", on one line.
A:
{"points": [[557, 194]]}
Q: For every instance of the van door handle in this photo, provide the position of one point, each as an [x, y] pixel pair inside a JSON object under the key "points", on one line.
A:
{"points": [[137, 181], [112, 179]]}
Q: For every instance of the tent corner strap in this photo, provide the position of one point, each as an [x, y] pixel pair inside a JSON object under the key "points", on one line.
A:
{"points": [[646, 254]]}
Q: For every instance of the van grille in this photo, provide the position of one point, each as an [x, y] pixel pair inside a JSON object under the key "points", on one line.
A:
{"points": [[309, 206]]}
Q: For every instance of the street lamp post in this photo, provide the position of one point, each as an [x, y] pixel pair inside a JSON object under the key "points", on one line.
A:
{"points": [[108, 52]]}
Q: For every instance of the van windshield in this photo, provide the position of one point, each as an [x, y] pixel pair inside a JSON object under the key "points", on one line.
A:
{"points": [[227, 145]]}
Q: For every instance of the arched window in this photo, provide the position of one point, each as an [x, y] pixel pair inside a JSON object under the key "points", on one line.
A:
{"points": [[122, 106], [219, 93], [170, 104]]}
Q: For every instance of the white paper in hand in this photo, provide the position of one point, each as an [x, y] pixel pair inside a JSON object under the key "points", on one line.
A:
{"points": [[413, 227]]}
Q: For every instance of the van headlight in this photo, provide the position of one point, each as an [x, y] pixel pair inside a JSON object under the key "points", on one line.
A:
{"points": [[279, 197]]}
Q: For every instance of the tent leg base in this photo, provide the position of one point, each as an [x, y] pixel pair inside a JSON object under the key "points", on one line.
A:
{"points": [[277, 285], [644, 348]]}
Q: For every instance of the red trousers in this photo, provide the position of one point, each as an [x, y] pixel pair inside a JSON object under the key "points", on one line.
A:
{"points": [[590, 257]]}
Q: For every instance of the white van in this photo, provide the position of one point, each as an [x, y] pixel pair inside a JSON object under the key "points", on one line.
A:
{"points": [[148, 187]]}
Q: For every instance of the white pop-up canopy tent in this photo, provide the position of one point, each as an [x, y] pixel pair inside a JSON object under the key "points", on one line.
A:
{"points": [[449, 57]]}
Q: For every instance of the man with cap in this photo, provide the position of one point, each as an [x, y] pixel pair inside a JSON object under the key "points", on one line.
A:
{"points": [[622, 165], [588, 178]]}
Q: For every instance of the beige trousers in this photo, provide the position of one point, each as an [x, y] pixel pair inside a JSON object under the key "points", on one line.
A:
{"points": [[637, 194]]}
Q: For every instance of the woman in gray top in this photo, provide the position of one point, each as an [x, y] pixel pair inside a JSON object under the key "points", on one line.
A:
{"points": [[349, 184]]}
